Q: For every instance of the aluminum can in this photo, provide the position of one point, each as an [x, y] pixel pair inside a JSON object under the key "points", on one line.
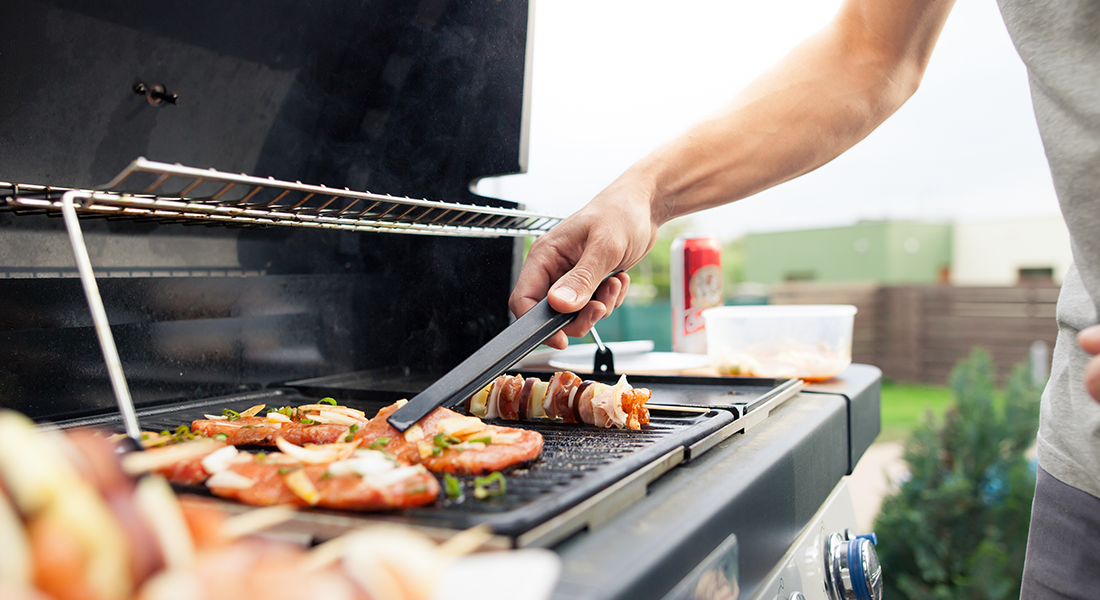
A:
{"points": [[696, 284]]}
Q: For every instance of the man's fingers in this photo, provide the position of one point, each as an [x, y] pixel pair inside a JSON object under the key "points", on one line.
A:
{"points": [[558, 340], [1092, 378], [1089, 339], [592, 312], [573, 290]]}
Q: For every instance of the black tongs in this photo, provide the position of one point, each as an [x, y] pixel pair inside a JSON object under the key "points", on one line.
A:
{"points": [[493, 359]]}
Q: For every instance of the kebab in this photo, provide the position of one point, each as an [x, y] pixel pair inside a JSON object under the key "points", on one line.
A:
{"points": [[566, 397]]}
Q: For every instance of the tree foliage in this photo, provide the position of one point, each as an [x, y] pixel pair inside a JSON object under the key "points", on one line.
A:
{"points": [[957, 527]]}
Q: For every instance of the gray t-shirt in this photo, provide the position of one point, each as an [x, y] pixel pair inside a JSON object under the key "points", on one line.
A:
{"points": [[1059, 41]]}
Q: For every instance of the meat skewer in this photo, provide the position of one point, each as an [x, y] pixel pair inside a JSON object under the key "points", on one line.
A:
{"points": [[565, 396]]}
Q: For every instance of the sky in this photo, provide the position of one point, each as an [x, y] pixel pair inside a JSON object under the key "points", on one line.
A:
{"points": [[613, 79]]}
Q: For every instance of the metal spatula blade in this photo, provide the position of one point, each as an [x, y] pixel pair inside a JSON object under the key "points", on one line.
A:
{"points": [[485, 365]]}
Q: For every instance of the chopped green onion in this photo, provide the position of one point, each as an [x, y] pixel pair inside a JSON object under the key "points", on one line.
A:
{"points": [[288, 470], [381, 442], [442, 442], [484, 488], [351, 432], [325, 475], [221, 437], [452, 486], [306, 421], [485, 440], [231, 415], [331, 401], [260, 456]]}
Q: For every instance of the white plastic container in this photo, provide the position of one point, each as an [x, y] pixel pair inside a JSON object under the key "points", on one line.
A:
{"points": [[810, 342]]}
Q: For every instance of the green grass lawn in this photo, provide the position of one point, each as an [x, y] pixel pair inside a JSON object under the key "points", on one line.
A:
{"points": [[904, 406]]}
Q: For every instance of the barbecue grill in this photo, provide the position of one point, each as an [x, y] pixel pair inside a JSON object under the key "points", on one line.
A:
{"points": [[276, 277]]}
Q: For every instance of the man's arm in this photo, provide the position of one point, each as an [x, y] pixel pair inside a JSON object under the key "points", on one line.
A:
{"points": [[829, 93]]}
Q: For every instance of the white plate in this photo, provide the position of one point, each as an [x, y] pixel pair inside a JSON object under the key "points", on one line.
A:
{"points": [[651, 363], [584, 353]]}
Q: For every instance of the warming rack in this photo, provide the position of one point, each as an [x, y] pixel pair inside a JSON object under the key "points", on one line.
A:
{"points": [[150, 190]]}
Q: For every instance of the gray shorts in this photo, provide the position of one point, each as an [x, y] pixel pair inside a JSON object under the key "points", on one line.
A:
{"points": [[1063, 543]]}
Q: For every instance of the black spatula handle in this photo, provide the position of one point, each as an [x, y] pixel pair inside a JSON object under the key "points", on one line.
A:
{"points": [[482, 367]]}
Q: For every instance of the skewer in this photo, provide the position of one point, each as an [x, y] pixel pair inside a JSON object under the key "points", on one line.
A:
{"points": [[99, 315]]}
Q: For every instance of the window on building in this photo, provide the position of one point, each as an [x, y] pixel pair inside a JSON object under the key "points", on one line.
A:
{"points": [[1036, 275]]}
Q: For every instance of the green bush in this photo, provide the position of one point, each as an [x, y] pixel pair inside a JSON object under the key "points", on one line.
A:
{"points": [[957, 527]]}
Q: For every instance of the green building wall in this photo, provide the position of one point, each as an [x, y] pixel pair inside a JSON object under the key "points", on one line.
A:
{"points": [[888, 252]]}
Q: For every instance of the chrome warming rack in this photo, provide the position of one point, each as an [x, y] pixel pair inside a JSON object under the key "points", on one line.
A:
{"points": [[149, 190]]}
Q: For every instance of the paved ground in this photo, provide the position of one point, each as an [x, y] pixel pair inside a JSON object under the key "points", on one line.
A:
{"points": [[875, 476]]}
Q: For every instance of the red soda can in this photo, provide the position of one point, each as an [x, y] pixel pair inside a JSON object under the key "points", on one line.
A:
{"points": [[696, 282]]}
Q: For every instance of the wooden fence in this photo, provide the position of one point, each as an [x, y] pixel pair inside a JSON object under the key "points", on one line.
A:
{"points": [[917, 333]]}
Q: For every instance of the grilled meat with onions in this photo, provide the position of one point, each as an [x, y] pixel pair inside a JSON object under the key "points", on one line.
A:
{"points": [[339, 475], [308, 424], [447, 442]]}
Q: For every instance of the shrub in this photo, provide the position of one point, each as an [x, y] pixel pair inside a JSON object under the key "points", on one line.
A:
{"points": [[957, 527]]}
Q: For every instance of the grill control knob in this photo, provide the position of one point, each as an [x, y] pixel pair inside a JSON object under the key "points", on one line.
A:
{"points": [[852, 570]]}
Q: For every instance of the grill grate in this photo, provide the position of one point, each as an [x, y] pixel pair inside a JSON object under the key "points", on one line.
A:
{"points": [[149, 190], [578, 462]]}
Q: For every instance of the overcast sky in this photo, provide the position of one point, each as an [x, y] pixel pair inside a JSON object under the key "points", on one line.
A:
{"points": [[615, 78]]}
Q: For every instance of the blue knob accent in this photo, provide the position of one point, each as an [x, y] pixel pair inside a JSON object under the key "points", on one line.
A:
{"points": [[855, 570], [869, 536]]}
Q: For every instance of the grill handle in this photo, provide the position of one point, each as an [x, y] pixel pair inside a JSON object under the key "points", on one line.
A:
{"points": [[485, 365]]}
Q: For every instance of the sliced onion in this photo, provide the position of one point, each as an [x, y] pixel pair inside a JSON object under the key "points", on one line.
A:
{"points": [[156, 502], [136, 463], [230, 480], [219, 460], [492, 408], [505, 438], [479, 402], [216, 417], [414, 433], [334, 418], [344, 410], [393, 476], [320, 454], [253, 411], [277, 417], [16, 568], [535, 408], [299, 483], [460, 427], [368, 462]]}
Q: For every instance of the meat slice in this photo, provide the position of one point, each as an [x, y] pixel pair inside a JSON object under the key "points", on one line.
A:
{"points": [[475, 450], [259, 431], [403, 487], [331, 476]]}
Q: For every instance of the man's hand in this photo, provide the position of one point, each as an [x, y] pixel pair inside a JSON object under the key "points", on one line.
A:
{"points": [[611, 233], [1089, 338]]}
